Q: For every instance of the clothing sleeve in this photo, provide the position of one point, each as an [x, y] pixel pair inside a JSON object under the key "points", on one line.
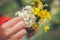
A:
{"points": [[4, 19]]}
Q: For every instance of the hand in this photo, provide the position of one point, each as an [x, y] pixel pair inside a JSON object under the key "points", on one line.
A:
{"points": [[13, 29]]}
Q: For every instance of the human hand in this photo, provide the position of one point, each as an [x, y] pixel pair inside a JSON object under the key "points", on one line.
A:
{"points": [[13, 29]]}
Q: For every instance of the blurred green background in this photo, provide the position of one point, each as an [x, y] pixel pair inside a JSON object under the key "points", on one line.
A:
{"points": [[9, 8]]}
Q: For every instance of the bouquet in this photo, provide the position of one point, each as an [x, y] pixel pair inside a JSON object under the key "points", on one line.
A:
{"points": [[34, 16]]}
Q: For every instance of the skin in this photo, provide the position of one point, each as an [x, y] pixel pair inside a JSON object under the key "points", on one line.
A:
{"points": [[13, 29]]}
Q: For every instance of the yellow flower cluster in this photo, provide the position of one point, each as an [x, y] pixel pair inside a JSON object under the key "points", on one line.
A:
{"points": [[41, 13], [45, 14]]}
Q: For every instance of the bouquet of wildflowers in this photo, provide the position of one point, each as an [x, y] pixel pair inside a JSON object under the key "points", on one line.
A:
{"points": [[34, 15]]}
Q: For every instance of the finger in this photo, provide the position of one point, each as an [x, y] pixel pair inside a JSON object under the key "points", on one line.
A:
{"points": [[21, 39], [19, 34], [15, 28], [11, 22], [11, 38]]}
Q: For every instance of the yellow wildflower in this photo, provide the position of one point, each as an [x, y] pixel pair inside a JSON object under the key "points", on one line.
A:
{"points": [[32, 3], [46, 28], [36, 11], [42, 15], [40, 4], [45, 14]]}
